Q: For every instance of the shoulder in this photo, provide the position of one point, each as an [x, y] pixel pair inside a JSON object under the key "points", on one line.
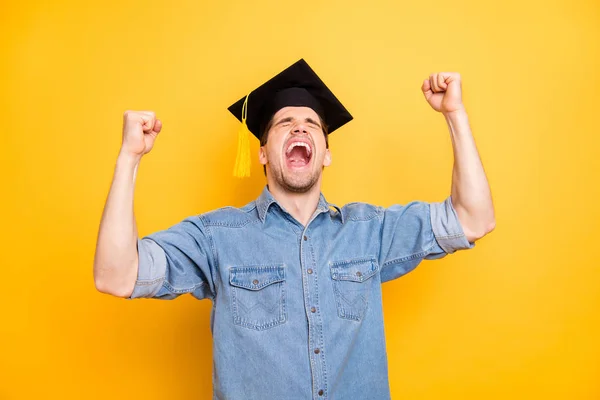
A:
{"points": [[363, 211], [416, 214], [415, 208], [360, 211], [232, 217]]}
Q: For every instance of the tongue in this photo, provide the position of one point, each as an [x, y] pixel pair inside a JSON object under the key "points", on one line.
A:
{"points": [[298, 157]]}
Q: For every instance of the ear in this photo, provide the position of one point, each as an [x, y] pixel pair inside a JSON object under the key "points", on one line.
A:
{"points": [[327, 159], [262, 155]]}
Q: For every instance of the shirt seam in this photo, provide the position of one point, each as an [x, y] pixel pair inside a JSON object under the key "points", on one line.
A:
{"points": [[173, 289], [238, 224], [381, 216], [213, 264], [148, 282], [453, 236], [413, 256]]}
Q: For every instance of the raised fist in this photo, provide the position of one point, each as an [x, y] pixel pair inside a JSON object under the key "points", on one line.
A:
{"points": [[140, 129], [443, 91]]}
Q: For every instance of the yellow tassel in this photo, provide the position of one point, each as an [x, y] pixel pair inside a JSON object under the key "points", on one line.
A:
{"points": [[242, 161]]}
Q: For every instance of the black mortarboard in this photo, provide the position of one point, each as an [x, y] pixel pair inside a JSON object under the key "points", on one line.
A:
{"points": [[297, 85]]}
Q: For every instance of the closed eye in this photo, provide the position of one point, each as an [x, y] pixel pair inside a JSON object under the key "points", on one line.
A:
{"points": [[285, 121], [312, 122]]}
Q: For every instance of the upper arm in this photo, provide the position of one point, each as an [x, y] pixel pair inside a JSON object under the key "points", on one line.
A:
{"points": [[176, 261], [418, 231]]}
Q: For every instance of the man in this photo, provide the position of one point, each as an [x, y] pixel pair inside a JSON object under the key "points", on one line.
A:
{"points": [[295, 281]]}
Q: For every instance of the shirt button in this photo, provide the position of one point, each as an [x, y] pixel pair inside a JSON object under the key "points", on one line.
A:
{"points": [[317, 351], [255, 281], [321, 392], [313, 310], [359, 274], [309, 271], [305, 238]]}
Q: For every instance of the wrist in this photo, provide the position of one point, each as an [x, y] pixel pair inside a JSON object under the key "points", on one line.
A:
{"points": [[128, 160], [460, 111], [455, 115]]}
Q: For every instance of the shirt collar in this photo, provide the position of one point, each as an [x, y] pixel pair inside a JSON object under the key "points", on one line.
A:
{"points": [[266, 199]]}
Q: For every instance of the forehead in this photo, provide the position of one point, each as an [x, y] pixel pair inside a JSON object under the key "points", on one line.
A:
{"points": [[296, 113]]}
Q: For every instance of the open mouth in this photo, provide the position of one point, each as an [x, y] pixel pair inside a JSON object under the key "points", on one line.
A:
{"points": [[298, 154]]}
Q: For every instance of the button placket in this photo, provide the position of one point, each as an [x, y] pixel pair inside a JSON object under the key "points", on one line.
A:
{"points": [[315, 325]]}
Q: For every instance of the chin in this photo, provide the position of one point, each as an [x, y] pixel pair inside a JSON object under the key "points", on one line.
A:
{"points": [[300, 184]]}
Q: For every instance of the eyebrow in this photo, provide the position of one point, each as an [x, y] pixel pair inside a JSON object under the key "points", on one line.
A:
{"points": [[291, 119]]}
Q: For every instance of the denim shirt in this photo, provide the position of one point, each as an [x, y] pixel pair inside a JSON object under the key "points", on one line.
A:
{"points": [[297, 310]]}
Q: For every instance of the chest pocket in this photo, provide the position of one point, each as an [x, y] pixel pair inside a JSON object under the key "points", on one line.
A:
{"points": [[352, 285], [258, 296]]}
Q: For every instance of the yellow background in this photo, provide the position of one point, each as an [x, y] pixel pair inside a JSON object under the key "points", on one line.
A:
{"points": [[516, 318]]}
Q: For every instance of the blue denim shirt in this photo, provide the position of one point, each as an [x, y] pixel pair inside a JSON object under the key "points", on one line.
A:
{"points": [[297, 310]]}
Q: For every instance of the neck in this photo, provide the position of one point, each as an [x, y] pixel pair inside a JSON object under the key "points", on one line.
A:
{"points": [[301, 206]]}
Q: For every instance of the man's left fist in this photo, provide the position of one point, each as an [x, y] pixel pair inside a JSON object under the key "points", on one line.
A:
{"points": [[443, 92]]}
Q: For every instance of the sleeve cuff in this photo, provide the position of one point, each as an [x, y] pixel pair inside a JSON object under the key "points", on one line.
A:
{"points": [[152, 268], [446, 227]]}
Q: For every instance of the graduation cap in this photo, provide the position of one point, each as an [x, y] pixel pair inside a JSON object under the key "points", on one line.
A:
{"points": [[296, 86]]}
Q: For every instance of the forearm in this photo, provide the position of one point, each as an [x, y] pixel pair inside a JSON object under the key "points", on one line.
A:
{"points": [[471, 196], [116, 259]]}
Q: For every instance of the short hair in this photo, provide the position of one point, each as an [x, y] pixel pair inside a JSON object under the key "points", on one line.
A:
{"points": [[265, 135]]}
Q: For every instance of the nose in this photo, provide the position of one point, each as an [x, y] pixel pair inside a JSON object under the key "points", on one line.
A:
{"points": [[300, 128]]}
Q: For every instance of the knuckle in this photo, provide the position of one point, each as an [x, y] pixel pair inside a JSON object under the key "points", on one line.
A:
{"points": [[130, 114]]}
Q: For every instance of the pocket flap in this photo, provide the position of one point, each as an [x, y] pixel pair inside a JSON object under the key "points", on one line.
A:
{"points": [[357, 270], [256, 278]]}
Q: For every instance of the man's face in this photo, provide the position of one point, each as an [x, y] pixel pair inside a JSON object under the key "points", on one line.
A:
{"points": [[295, 152]]}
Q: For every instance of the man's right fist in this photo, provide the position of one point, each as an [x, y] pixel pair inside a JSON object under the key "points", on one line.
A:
{"points": [[140, 129]]}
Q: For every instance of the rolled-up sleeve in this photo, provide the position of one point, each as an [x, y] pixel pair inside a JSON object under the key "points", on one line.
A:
{"points": [[418, 231], [446, 227], [174, 262], [152, 269]]}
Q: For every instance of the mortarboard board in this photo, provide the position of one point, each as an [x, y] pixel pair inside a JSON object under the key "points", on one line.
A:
{"points": [[297, 86]]}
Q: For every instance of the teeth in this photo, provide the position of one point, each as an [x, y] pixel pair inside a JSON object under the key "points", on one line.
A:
{"points": [[294, 144]]}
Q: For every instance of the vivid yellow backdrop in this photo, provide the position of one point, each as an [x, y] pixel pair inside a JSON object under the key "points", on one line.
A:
{"points": [[515, 318]]}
